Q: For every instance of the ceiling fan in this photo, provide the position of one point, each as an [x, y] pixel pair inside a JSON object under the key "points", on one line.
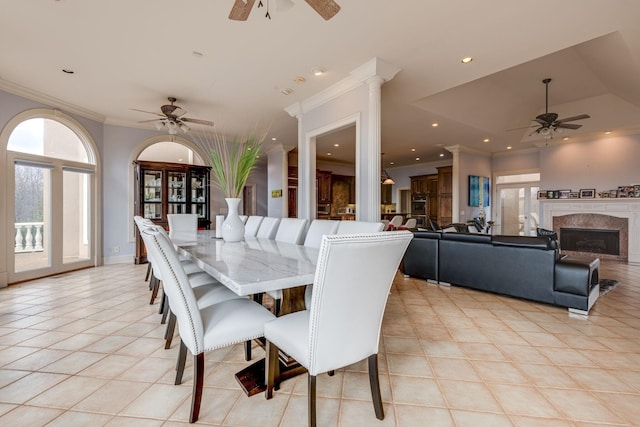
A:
{"points": [[241, 8], [172, 117], [549, 123]]}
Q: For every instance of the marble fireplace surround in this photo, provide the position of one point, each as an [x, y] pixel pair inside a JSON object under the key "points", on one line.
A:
{"points": [[608, 214]]}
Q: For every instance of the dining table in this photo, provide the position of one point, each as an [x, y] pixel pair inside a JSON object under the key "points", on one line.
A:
{"points": [[251, 267]]}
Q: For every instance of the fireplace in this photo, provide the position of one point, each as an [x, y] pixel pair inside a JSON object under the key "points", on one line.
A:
{"points": [[589, 234], [590, 240], [619, 214]]}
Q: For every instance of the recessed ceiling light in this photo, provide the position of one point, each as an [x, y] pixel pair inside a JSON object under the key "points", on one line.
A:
{"points": [[318, 71], [509, 148], [68, 71], [299, 80], [274, 138], [566, 138], [486, 140], [197, 54], [417, 158], [435, 125], [328, 154], [441, 154], [180, 159], [392, 163], [336, 145], [466, 59], [286, 91], [413, 149], [607, 132]]}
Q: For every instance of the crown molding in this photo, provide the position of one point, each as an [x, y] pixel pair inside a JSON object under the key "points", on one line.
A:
{"points": [[50, 101]]}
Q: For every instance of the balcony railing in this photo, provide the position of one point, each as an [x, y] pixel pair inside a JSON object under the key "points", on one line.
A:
{"points": [[28, 237]]}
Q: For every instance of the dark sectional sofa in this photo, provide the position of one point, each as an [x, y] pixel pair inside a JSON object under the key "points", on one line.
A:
{"points": [[524, 267]]}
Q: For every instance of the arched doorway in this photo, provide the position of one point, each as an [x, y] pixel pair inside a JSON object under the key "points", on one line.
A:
{"points": [[52, 199]]}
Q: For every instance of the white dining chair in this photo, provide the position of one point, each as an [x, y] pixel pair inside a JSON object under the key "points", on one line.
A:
{"points": [[290, 230], [243, 218], [342, 326], [207, 290], [411, 223], [268, 227], [202, 329], [252, 225], [385, 223], [183, 226], [138, 221], [319, 228], [396, 221], [351, 227]]}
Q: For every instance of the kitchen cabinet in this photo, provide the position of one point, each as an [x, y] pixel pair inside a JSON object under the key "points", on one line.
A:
{"points": [[324, 186], [418, 185], [385, 194], [170, 188], [445, 189]]}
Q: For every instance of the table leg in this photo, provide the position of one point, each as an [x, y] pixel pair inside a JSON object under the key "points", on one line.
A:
{"points": [[251, 378]]}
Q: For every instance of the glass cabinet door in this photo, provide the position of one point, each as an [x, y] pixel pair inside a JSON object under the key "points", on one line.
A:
{"points": [[177, 188], [198, 194], [152, 200]]}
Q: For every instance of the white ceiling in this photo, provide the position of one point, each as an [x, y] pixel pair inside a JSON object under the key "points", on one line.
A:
{"points": [[134, 54]]}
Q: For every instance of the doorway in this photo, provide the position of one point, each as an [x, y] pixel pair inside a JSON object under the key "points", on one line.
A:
{"points": [[51, 194], [517, 204]]}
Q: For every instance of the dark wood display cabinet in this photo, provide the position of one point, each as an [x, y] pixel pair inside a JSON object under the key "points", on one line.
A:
{"points": [[170, 188]]}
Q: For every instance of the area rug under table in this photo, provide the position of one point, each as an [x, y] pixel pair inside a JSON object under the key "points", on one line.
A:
{"points": [[607, 285]]}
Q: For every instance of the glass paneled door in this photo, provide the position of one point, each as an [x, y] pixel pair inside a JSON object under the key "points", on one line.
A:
{"points": [[517, 210], [51, 182], [32, 220]]}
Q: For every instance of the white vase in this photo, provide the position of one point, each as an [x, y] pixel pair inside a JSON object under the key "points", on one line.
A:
{"points": [[232, 227]]}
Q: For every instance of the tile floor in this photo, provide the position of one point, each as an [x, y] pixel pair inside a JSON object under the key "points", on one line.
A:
{"points": [[86, 349]]}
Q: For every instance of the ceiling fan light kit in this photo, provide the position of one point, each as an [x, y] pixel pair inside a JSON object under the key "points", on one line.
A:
{"points": [[172, 118], [242, 8], [549, 123]]}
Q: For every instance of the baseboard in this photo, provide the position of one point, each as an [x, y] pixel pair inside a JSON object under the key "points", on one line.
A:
{"points": [[120, 259]]}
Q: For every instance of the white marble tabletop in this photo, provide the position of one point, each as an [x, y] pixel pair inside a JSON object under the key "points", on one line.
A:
{"points": [[253, 265]]}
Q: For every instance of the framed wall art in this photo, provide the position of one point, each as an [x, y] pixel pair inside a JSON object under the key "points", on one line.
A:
{"points": [[588, 193], [479, 190]]}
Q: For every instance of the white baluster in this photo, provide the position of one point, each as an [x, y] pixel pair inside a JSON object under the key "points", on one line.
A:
{"points": [[28, 240], [18, 239], [38, 246]]}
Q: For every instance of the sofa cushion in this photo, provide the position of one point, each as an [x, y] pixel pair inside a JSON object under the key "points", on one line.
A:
{"points": [[467, 237], [523, 241]]}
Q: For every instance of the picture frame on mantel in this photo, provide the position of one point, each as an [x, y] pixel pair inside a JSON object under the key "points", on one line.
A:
{"points": [[588, 193]]}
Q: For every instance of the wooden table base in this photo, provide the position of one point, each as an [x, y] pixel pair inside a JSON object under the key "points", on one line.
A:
{"points": [[251, 378]]}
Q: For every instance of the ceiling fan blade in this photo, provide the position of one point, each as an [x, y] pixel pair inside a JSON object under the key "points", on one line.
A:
{"points": [[148, 121], [570, 119], [241, 9], [148, 112], [520, 128], [197, 121], [568, 126], [179, 111], [325, 8], [540, 121]]}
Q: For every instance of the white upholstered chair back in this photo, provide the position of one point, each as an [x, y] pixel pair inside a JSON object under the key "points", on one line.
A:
{"points": [[243, 218], [385, 222], [252, 225], [411, 223], [396, 221], [319, 228], [268, 227], [346, 295], [291, 230], [176, 286], [351, 227], [183, 226]]}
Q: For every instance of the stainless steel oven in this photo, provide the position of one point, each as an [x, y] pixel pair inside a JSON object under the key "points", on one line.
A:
{"points": [[324, 208]]}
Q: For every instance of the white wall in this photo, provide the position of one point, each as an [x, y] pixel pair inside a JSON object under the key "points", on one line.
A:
{"points": [[604, 164]]}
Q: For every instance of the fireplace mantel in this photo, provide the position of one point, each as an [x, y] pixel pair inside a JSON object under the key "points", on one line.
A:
{"points": [[621, 208]]}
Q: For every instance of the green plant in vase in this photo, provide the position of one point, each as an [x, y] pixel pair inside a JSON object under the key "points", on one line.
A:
{"points": [[232, 163]]}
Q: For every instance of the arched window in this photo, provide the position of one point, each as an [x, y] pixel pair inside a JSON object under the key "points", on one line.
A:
{"points": [[51, 188]]}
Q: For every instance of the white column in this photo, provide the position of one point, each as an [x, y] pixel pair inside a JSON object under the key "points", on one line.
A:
{"points": [[455, 182], [371, 169]]}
